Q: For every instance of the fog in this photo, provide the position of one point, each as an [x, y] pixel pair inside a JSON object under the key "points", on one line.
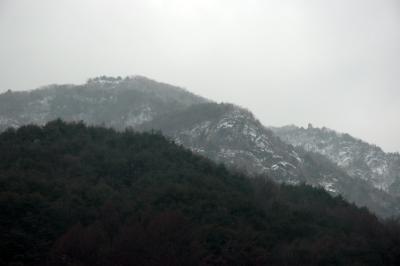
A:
{"points": [[329, 63]]}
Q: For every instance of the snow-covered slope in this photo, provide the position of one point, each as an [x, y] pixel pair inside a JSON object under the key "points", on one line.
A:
{"points": [[358, 158], [230, 134]]}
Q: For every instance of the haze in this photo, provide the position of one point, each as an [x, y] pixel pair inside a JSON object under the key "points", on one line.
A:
{"points": [[330, 63]]}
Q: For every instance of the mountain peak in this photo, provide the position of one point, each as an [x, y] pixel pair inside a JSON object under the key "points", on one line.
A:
{"points": [[104, 79]]}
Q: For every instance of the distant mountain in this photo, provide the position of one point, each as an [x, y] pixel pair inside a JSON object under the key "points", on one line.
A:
{"points": [[77, 195], [223, 132], [359, 159], [116, 102]]}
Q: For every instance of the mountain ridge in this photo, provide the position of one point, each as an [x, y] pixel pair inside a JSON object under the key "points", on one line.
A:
{"points": [[225, 133], [357, 157], [135, 99]]}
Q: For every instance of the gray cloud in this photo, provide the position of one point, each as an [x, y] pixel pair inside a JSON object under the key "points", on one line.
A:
{"points": [[331, 63]]}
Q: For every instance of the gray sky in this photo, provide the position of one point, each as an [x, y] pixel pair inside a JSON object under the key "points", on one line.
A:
{"points": [[331, 63]]}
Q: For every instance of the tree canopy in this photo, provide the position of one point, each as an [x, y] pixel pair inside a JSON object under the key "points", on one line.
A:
{"points": [[77, 195]]}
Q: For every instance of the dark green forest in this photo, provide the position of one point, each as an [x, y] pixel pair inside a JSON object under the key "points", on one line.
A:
{"points": [[77, 195]]}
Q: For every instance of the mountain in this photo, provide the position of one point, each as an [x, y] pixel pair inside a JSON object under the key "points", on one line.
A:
{"points": [[222, 132], [77, 195], [232, 135], [359, 159], [229, 134], [116, 102]]}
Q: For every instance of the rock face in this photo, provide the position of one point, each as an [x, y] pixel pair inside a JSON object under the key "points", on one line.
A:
{"points": [[230, 134], [223, 132], [359, 159]]}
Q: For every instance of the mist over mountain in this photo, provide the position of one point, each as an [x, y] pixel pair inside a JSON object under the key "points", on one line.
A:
{"points": [[174, 133], [223, 132], [333, 63]]}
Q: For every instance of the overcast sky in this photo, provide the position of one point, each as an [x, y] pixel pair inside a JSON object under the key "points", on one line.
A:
{"points": [[330, 63]]}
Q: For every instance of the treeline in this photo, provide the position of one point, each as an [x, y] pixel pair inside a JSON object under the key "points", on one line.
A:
{"points": [[77, 195]]}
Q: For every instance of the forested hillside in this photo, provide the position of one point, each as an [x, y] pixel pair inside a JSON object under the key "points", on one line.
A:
{"points": [[77, 195], [225, 133]]}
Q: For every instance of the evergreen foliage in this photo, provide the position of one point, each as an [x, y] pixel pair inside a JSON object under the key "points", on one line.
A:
{"points": [[77, 195]]}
